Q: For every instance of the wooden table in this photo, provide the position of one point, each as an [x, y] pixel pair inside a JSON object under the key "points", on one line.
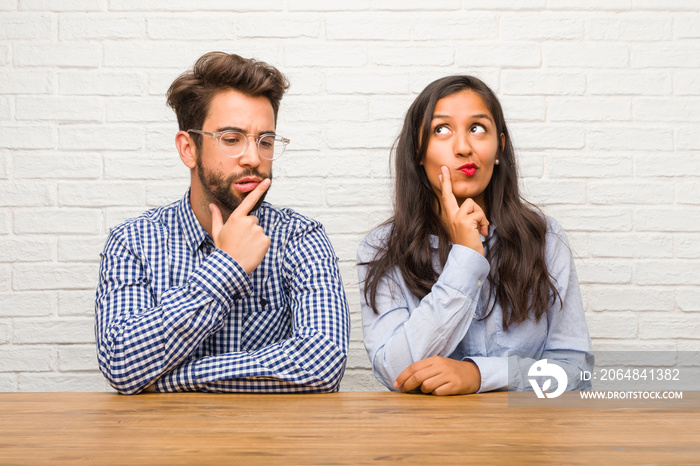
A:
{"points": [[340, 428]]}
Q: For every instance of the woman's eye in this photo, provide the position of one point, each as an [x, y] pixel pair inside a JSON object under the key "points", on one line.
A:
{"points": [[477, 129], [442, 130]]}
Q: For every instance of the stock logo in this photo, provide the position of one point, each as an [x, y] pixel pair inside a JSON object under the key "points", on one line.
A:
{"points": [[544, 369]]}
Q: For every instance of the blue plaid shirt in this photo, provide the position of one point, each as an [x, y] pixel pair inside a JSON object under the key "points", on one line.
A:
{"points": [[172, 308]]}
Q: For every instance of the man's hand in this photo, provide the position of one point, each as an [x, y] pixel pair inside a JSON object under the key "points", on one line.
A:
{"points": [[465, 222], [440, 376], [241, 237]]}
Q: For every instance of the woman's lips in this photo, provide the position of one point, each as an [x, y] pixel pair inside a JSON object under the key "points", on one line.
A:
{"points": [[468, 169], [247, 184]]}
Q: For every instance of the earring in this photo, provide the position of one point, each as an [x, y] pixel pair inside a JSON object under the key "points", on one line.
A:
{"points": [[497, 162]]}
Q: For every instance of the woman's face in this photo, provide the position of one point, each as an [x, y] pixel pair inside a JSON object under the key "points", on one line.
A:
{"points": [[463, 138]]}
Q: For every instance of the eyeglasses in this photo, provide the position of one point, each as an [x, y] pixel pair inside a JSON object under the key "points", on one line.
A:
{"points": [[234, 144]]}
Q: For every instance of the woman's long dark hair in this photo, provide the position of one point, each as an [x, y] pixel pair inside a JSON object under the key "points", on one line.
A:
{"points": [[519, 277]]}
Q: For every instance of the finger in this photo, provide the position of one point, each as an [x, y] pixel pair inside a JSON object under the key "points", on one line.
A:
{"points": [[408, 373], [252, 198], [217, 221], [449, 200], [476, 213]]}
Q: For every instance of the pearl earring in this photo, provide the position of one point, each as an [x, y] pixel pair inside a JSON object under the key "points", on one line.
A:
{"points": [[497, 162]]}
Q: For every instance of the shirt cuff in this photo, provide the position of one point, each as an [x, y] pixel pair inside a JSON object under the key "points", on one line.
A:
{"points": [[494, 372], [222, 277], [465, 270]]}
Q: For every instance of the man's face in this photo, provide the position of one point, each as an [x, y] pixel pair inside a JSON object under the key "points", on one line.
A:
{"points": [[224, 180]]}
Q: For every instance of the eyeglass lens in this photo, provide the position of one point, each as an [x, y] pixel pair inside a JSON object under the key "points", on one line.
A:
{"points": [[234, 144]]}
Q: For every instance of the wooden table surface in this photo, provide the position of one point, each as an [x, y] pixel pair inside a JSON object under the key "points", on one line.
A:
{"points": [[340, 428]]}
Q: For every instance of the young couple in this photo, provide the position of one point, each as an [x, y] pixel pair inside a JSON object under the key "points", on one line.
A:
{"points": [[463, 289]]}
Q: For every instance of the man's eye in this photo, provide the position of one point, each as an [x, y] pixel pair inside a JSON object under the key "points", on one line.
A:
{"points": [[230, 140]]}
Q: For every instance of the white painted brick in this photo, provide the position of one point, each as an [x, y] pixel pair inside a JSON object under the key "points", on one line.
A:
{"points": [[687, 138], [45, 276], [296, 193], [674, 164], [304, 81], [52, 165], [162, 138], [328, 5], [315, 109], [671, 327], [63, 5], [160, 193], [77, 303], [412, 5], [358, 192], [629, 192], [115, 216], [154, 55], [26, 249], [589, 5], [629, 82], [100, 82], [686, 82], [361, 380], [325, 54], [406, 56], [629, 138], [499, 54], [159, 83], [360, 26], [589, 109], [666, 272], [59, 108], [64, 54], [688, 192], [675, 5], [664, 55], [88, 194], [77, 358], [138, 110], [631, 27], [668, 109], [687, 245], [268, 25], [421, 79], [5, 107], [362, 82], [338, 164], [504, 5], [28, 137], [144, 166], [355, 221], [80, 248], [374, 135], [578, 243], [97, 137], [389, 107], [346, 246], [4, 166], [186, 5], [465, 25], [587, 164], [57, 221], [630, 298], [667, 219], [348, 272], [530, 164], [599, 218], [101, 26], [5, 337], [688, 299], [5, 277], [612, 325], [529, 136], [4, 222], [175, 27], [8, 5], [523, 109], [26, 359], [55, 382], [631, 245], [26, 193], [536, 82], [553, 191], [604, 271], [33, 26], [585, 55], [27, 304], [686, 26], [541, 26]]}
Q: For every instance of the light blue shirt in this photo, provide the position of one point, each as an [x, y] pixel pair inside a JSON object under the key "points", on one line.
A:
{"points": [[448, 320]]}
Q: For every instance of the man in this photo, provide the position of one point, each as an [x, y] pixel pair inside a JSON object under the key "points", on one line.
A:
{"points": [[221, 291]]}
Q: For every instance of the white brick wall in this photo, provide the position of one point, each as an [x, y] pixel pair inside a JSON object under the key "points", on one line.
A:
{"points": [[603, 98]]}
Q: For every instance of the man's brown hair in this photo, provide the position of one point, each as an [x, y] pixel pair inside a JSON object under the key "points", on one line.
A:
{"points": [[191, 93]]}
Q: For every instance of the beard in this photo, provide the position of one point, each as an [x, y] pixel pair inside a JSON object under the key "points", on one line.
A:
{"points": [[217, 187]]}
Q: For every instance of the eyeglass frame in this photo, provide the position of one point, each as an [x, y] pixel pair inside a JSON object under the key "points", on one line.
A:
{"points": [[257, 138]]}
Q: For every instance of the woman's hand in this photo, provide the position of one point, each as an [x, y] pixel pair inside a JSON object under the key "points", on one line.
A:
{"points": [[465, 222], [440, 376]]}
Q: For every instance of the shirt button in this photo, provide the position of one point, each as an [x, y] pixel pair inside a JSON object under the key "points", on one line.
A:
{"points": [[236, 296], [478, 283]]}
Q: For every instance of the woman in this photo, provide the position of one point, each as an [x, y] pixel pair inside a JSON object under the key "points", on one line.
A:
{"points": [[467, 285]]}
